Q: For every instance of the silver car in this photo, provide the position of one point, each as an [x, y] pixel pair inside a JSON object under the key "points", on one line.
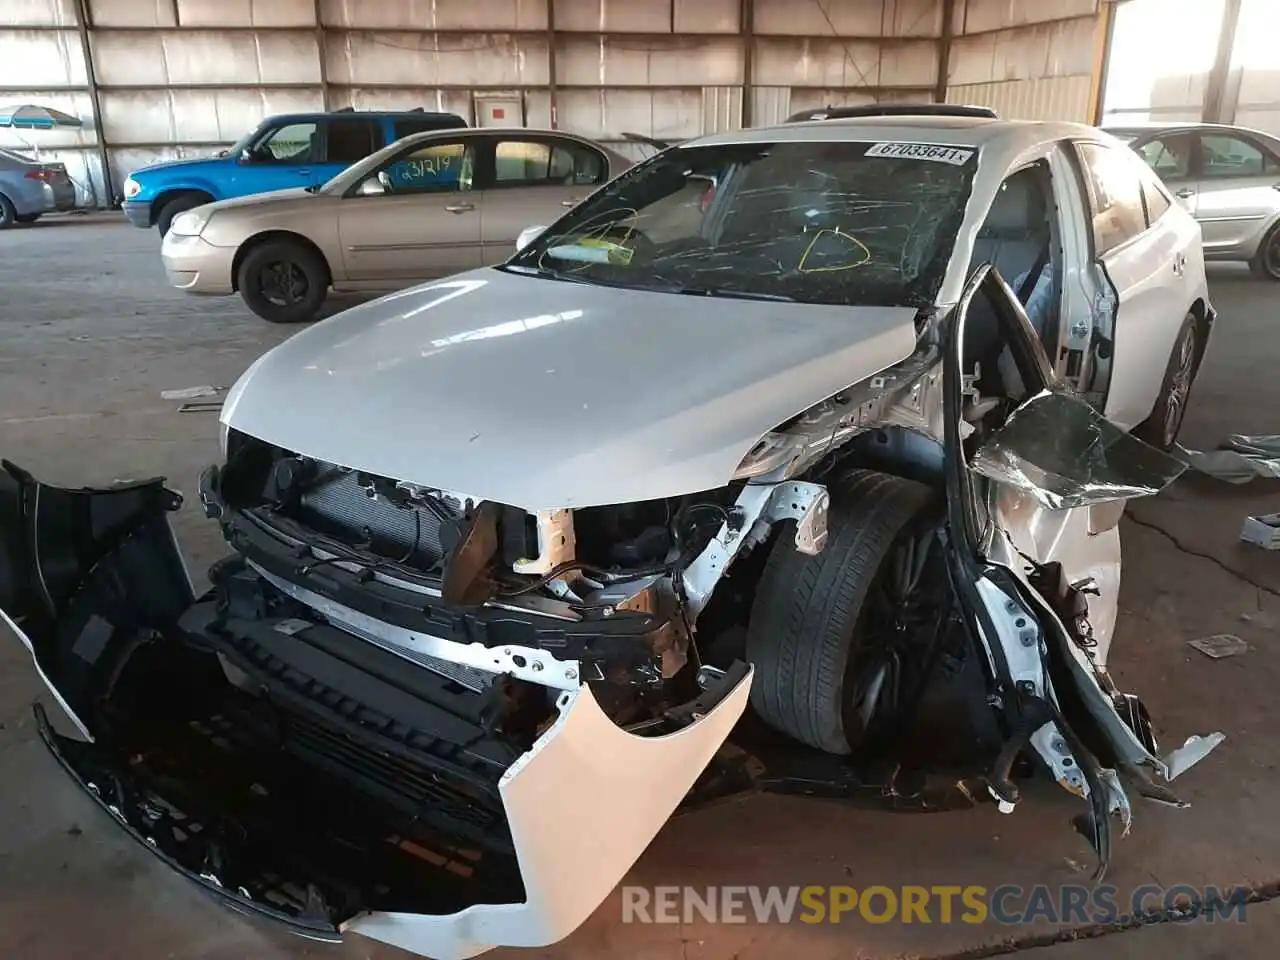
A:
{"points": [[29, 188], [426, 206], [1228, 178]]}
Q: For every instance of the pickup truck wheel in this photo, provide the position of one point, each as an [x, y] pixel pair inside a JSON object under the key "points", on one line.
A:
{"points": [[1162, 427], [283, 281], [820, 634], [179, 204], [8, 216], [1266, 262]]}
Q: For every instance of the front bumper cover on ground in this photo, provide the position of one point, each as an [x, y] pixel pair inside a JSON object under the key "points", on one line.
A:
{"points": [[580, 804]]}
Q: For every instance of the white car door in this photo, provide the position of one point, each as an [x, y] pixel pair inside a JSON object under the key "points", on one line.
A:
{"points": [[1147, 264]]}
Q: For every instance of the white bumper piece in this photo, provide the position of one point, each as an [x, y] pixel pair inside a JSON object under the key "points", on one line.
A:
{"points": [[582, 804]]}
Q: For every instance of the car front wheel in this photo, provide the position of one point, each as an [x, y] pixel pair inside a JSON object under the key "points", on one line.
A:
{"points": [[1162, 427], [832, 636], [283, 281], [179, 204]]}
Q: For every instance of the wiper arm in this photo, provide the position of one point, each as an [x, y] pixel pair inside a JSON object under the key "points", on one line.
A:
{"points": [[734, 294]]}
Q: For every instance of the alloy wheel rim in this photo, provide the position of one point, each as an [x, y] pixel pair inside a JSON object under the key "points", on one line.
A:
{"points": [[895, 609], [1179, 388], [1271, 257], [283, 284]]}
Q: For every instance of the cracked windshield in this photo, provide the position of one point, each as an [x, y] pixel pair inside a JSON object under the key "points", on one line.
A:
{"points": [[832, 223]]}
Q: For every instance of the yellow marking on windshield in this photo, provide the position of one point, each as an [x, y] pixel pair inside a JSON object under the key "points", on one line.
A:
{"points": [[836, 232]]}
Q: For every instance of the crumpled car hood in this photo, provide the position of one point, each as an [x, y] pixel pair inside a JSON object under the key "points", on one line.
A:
{"points": [[543, 394]]}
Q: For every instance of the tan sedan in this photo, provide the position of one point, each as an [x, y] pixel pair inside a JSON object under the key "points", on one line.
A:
{"points": [[426, 206]]}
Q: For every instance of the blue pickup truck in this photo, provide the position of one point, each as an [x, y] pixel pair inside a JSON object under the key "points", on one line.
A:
{"points": [[290, 150]]}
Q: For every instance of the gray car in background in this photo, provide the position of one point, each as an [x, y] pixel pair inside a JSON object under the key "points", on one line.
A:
{"points": [[29, 188], [1227, 177]]}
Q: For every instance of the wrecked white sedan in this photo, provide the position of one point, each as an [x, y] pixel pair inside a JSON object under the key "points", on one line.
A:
{"points": [[815, 436]]}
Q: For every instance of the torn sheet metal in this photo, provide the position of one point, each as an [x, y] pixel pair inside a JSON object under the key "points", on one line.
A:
{"points": [[1190, 753], [1066, 454], [1239, 459]]}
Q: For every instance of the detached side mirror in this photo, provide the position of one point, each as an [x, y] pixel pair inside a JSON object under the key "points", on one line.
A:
{"points": [[528, 235], [370, 187]]}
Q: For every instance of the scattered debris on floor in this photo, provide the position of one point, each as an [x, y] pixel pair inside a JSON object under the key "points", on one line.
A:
{"points": [[1219, 645], [1240, 458], [191, 393], [1262, 531], [201, 406]]}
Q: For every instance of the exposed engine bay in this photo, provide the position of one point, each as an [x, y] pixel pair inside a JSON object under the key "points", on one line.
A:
{"points": [[368, 722]]}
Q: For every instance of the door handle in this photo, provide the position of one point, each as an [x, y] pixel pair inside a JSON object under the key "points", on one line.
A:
{"points": [[568, 203], [304, 173], [460, 207], [1184, 193]]}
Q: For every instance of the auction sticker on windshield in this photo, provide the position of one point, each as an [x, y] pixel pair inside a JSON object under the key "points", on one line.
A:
{"points": [[921, 151]]}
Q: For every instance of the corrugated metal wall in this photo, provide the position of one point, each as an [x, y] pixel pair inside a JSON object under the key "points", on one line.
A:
{"points": [[1027, 60], [181, 77]]}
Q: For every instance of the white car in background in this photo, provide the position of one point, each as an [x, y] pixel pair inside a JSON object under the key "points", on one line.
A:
{"points": [[763, 422]]}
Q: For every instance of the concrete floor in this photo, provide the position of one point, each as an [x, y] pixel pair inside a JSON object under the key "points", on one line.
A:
{"points": [[90, 335]]}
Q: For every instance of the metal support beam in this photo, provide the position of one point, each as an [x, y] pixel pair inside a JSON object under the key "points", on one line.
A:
{"points": [[1103, 37], [322, 52], [944, 51], [84, 22], [1216, 84], [747, 30], [553, 106]]}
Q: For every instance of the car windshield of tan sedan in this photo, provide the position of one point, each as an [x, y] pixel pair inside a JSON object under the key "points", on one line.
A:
{"points": [[828, 222]]}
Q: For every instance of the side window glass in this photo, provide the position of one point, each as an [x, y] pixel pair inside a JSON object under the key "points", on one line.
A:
{"points": [[521, 162], [351, 140], [1169, 157], [1226, 156], [572, 164], [294, 143], [431, 168], [1115, 196]]}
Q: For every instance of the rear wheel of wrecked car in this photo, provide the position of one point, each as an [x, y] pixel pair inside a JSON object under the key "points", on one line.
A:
{"points": [[283, 281], [1161, 428], [7, 215], [824, 628]]}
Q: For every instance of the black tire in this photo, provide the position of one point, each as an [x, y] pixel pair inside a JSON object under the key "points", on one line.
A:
{"points": [[8, 216], [283, 281], [806, 623], [26, 217], [179, 204], [1266, 262], [1161, 428]]}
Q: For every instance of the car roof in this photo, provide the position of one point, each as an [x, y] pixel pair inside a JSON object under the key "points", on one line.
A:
{"points": [[1153, 127], [955, 131], [416, 114]]}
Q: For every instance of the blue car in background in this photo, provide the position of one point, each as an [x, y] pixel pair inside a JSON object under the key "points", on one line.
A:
{"points": [[283, 152]]}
